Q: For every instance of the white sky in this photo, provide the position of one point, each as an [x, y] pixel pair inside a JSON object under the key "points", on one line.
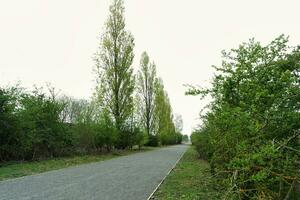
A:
{"points": [[53, 40]]}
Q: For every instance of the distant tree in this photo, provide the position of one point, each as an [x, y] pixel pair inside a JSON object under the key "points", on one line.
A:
{"points": [[146, 94], [159, 106], [178, 123], [185, 138], [164, 125], [113, 62]]}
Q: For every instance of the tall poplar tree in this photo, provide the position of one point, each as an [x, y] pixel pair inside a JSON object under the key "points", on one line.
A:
{"points": [[178, 121], [114, 66], [164, 125], [146, 87]]}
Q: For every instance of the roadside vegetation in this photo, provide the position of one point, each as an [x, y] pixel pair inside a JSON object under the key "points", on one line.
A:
{"points": [[190, 179], [250, 132], [127, 109]]}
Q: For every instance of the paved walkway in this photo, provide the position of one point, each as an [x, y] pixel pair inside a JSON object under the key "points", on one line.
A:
{"points": [[132, 177]]}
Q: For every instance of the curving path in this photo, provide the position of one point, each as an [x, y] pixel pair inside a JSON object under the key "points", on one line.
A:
{"points": [[132, 177]]}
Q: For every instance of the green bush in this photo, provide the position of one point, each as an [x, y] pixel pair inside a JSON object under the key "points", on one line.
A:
{"points": [[10, 137], [31, 127], [141, 137], [153, 141], [250, 135], [130, 136], [34, 125], [43, 133]]}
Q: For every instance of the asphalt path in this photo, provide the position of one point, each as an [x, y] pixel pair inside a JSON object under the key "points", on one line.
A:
{"points": [[132, 177]]}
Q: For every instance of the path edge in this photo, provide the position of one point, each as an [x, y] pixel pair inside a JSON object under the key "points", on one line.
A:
{"points": [[156, 188]]}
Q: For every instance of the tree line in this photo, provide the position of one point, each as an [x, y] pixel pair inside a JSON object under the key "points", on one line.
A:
{"points": [[250, 134], [126, 110]]}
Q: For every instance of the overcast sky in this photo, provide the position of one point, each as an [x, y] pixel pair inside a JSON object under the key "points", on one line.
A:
{"points": [[53, 40]]}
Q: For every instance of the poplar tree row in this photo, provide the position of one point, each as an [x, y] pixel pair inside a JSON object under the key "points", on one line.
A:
{"points": [[126, 110], [118, 86]]}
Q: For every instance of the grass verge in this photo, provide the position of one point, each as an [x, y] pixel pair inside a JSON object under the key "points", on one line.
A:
{"points": [[13, 170], [190, 180]]}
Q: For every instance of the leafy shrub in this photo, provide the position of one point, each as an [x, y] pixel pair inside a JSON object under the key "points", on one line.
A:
{"points": [[130, 136], [43, 133], [10, 137], [141, 137], [153, 141], [250, 135]]}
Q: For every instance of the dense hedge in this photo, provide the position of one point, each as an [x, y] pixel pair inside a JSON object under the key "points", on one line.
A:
{"points": [[250, 135], [34, 125]]}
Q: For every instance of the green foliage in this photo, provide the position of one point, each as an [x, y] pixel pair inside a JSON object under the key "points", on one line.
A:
{"points": [[43, 133], [178, 122], [116, 81], [250, 134], [9, 133], [30, 125], [35, 125], [185, 138], [164, 124], [92, 127], [146, 92], [155, 108], [141, 138], [153, 141], [115, 73], [190, 180]]}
